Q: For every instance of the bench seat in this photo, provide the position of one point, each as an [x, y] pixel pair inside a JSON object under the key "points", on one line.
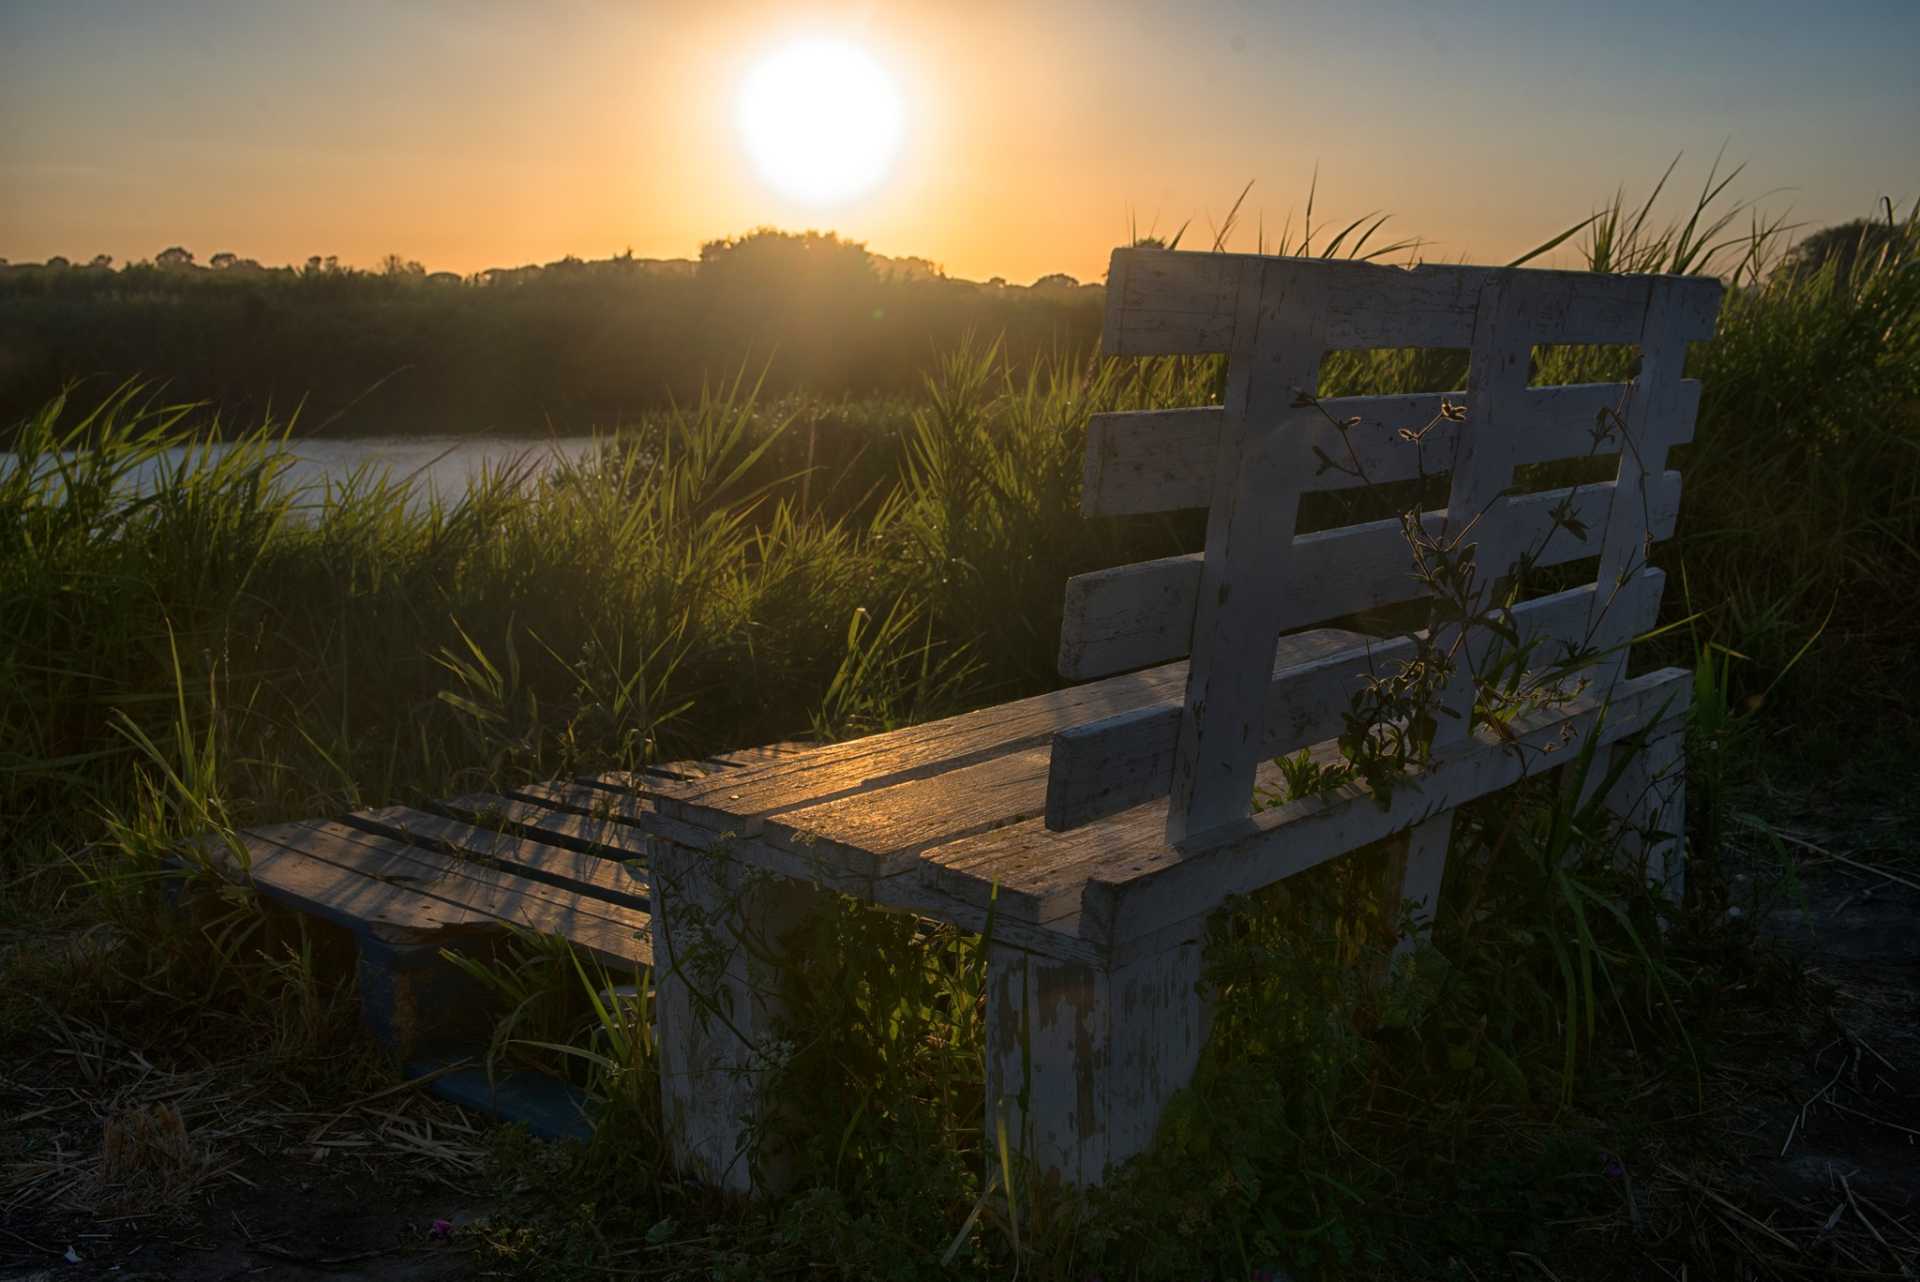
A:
{"points": [[407, 883], [1089, 833], [1094, 954]]}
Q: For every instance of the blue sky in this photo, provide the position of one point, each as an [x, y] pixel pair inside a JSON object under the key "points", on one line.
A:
{"points": [[475, 134]]}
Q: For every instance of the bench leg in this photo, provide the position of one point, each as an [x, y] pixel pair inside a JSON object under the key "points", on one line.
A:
{"points": [[717, 931], [1650, 801], [1420, 862], [412, 999], [1081, 1059]]}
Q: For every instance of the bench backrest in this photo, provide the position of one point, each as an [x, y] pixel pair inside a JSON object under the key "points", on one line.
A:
{"points": [[1249, 461]]}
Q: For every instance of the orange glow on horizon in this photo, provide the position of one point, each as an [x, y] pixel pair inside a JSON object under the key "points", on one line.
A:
{"points": [[1030, 140]]}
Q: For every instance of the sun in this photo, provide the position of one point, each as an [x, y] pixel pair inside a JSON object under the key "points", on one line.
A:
{"points": [[821, 120]]}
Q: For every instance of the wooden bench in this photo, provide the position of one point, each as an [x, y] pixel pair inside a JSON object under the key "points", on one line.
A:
{"points": [[1091, 832], [406, 885]]}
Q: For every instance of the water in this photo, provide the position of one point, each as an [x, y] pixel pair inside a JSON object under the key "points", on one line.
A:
{"points": [[438, 465]]}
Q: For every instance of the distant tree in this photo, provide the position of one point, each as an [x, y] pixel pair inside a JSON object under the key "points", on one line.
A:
{"points": [[395, 266], [223, 261], [174, 258], [1056, 280], [443, 278], [58, 260], [101, 261], [772, 259], [1843, 245], [997, 282], [903, 269]]}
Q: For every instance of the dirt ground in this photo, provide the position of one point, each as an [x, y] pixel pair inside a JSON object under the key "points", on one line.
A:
{"points": [[1813, 1169], [1825, 1139], [377, 1189]]}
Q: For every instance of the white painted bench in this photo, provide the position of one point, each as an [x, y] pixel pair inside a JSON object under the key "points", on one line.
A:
{"points": [[1092, 831]]}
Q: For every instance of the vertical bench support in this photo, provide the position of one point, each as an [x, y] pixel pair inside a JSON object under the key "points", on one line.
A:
{"points": [[1482, 470], [1273, 371], [413, 1000], [1082, 1058], [718, 929], [1650, 801], [1649, 798]]}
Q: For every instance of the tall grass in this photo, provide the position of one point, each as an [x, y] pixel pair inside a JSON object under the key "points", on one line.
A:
{"points": [[204, 651]]}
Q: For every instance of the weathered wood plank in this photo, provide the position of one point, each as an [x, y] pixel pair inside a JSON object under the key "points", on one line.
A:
{"points": [[1280, 336], [1135, 615], [1162, 460], [357, 888], [1031, 874], [1658, 416], [1649, 801], [884, 827], [1482, 468], [719, 998], [598, 875], [1106, 766], [1149, 461], [1095, 1051], [589, 831], [614, 934], [906, 893], [740, 800], [1183, 303], [1037, 874], [1131, 896]]}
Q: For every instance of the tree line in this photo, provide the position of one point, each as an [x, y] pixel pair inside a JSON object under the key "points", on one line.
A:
{"points": [[562, 346]]}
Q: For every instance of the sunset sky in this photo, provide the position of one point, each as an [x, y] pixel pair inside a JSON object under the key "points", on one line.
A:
{"points": [[476, 134]]}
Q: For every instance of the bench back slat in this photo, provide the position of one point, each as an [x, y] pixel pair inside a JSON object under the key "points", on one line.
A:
{"points": [[1250, 460], [1179, 303], [1135, 615], [1145, 461], [1106, 766]]}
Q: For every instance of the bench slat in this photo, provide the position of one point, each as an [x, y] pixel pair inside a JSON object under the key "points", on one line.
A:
{"points": [[476, 894], [739, 800], [1107, 766], [1041, 877], [1037, 875], [1653, 426], [1147, 461], [1135, 895], [349, 889], [1163, 302], [877, 827], [599, 876], [888, 825], [1136, 615], [588, 822]]}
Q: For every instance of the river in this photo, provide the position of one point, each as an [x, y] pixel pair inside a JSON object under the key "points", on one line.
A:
{"points": [[437, 465]]}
